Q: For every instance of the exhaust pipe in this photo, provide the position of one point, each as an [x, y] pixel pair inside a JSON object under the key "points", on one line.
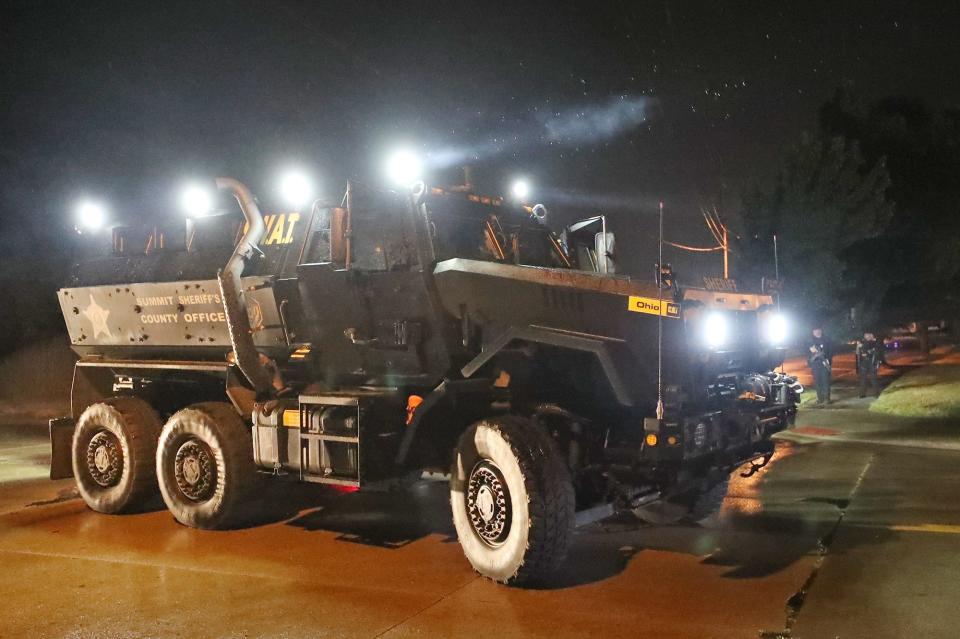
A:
{"points": [[231, 289]]}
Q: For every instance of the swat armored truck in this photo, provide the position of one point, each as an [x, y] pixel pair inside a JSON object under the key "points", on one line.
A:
{"points": [[395, 332]]}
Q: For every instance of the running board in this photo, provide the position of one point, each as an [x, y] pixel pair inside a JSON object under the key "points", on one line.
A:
{"points": [[593, 514]]}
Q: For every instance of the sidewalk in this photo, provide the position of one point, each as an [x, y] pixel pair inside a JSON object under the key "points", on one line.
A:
{"points": [[849, 419]]}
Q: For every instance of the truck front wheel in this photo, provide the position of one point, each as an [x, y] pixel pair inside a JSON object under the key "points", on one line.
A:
{"points": [[205, 465], [113, 451], [512, 500]]}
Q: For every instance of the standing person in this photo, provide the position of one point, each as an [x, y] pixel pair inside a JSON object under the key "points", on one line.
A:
{"points": [[869, 358], [820, 360]]}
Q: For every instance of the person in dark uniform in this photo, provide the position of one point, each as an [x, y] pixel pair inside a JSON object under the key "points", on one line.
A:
{"points": [[869, 357], [820, 360]]}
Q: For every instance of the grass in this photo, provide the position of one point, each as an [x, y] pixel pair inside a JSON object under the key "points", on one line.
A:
{"points": [[931, 391], [809, 396]]}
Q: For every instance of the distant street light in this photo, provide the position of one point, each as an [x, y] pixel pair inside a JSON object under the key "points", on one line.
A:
{"points": [[196, 201], [520, 190], [296, 188], [91, 216], [404, 168]]}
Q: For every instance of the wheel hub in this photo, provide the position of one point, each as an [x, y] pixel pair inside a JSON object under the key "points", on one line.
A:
{"points": [[485, 503], [105, 459], [195, 471], [488, 503]]}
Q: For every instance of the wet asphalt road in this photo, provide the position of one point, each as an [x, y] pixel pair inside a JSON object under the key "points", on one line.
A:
{"points": [[830, 540]]}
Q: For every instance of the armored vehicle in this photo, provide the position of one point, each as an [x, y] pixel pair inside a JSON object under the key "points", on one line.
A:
{"points": [[393, 332]]}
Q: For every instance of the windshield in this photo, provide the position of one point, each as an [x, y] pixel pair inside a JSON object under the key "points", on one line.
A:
{"points": [[471, 230]]}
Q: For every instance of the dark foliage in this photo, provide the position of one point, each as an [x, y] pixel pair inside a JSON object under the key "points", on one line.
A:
{"points": [[825, 201], [914, 265]]}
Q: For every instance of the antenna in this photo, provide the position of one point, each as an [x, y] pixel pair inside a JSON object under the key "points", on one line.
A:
{"points": [[776, 261], [660, 322]]}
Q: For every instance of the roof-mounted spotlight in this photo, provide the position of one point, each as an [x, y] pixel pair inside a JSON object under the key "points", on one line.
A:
{"points": [[296, 189], [91, 216], [404, 168], [520, 190], [196, 200]]}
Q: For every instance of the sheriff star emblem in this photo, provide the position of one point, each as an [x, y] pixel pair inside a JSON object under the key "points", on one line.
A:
{"points": [[98, 317]]}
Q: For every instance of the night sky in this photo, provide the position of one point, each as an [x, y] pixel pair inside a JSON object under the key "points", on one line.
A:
{"points": [[605, 106]]}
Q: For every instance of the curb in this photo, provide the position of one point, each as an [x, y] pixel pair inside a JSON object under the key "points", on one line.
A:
{"points": [[811, 438]]}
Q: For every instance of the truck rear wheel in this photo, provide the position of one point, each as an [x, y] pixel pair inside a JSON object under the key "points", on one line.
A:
{"points": [[512, 500], [113, 452], [205, 465]]}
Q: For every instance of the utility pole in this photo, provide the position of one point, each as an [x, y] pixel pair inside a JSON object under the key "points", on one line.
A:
{"points": [[726, 255], [720, 234]]}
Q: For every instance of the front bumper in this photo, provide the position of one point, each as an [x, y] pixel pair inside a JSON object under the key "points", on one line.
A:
{"points": [[727, 433]]}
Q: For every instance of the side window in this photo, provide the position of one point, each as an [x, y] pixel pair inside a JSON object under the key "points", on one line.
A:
{"points": [[213, 232], [320, 237], [142, 240], [470, 237], [381, 233]]}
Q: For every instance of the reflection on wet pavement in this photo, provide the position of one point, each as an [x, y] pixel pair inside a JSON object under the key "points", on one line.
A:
{"points": [[387, 563]]}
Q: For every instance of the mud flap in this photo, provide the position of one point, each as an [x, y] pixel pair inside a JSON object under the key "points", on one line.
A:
{"points": [[61, 443]]}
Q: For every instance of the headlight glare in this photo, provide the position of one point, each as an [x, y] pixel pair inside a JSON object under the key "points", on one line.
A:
{"points": [[777, 330], [715, 330]]}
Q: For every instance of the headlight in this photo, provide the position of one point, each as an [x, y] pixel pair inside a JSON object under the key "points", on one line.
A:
{"points": [[777, 330], [715, 330]]}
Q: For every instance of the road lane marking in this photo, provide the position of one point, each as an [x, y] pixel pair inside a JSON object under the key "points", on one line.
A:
{"points": [[193, 568], [10, 449], [856, 486], [144, 563], [815, 431], [945, 529]]}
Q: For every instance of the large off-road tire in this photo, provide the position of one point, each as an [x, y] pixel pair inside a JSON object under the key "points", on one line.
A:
{"points": [[512, 500], [205, 467], [114, 447]]}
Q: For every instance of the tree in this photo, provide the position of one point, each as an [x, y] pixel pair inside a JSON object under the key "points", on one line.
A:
{"points": [[824, 201], [918, 254]]}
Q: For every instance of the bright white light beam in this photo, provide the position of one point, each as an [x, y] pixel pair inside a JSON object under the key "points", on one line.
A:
{"points": [[778, 330], [404, 168], [195, 200], [715, 330], [296, 188], [520, 190], [91, 216]]}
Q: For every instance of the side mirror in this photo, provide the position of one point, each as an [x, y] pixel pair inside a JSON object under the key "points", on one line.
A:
{"points": [[605, 247]]}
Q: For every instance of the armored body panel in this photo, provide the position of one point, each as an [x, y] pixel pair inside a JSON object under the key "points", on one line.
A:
{"points": [[169, 320]]}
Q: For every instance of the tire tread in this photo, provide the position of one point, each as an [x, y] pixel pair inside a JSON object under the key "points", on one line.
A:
{"points": [[236, 446], [143, 426], [551, 500]]}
